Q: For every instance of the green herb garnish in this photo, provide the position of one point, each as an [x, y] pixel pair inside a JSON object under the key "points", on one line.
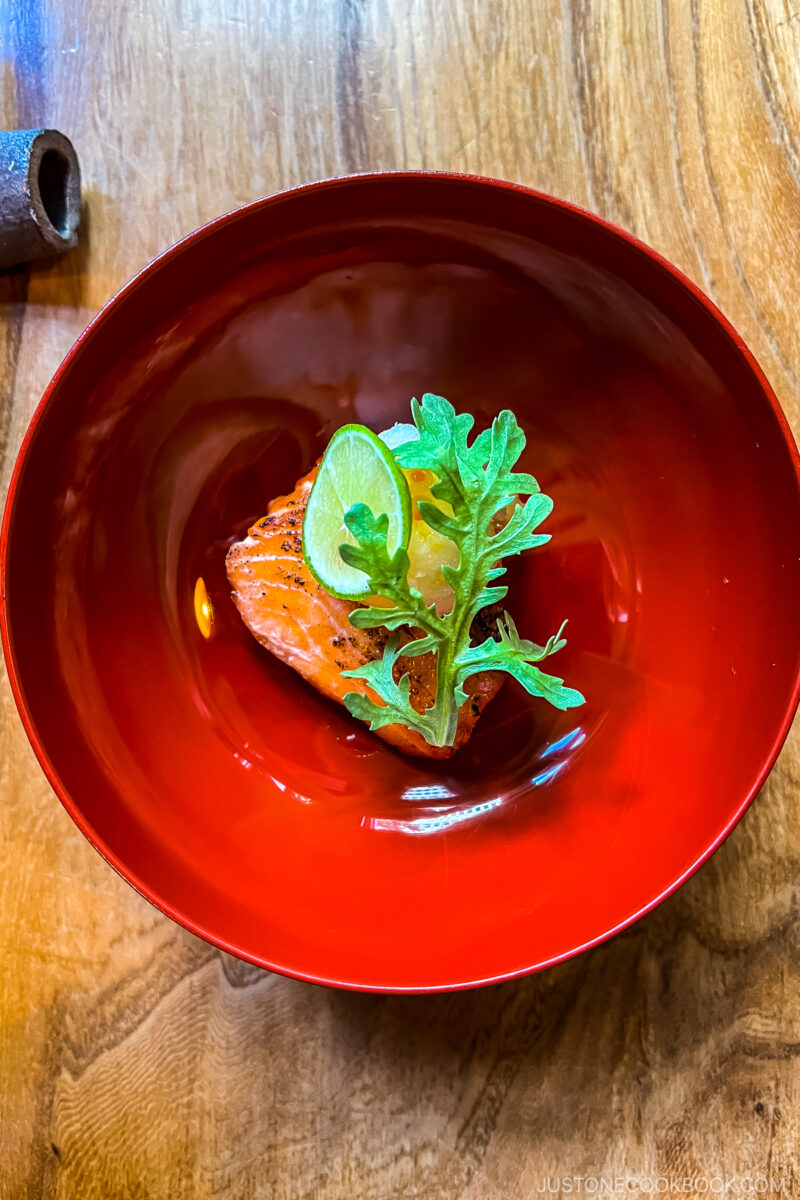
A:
{"points": [[477, 480]]}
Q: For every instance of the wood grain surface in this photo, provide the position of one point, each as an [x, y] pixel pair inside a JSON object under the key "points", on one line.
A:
{"points": [[136, 1061]]}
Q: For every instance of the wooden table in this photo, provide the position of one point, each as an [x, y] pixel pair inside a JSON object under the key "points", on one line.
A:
{"points": [[136, 1061]]}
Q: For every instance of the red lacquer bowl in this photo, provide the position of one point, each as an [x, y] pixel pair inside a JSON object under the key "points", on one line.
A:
{"points": [[225, 789]]}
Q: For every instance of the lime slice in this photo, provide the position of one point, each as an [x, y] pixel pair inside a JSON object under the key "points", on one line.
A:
{"points": [[357, 468]]}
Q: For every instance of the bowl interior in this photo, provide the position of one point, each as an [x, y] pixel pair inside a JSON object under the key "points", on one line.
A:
{"points": [[225, 787]]}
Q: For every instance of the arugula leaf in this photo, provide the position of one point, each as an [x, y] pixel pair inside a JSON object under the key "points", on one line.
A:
{"points": [[516, 655], [466, 473], [396, 707], [387, 575], [477, 480]]}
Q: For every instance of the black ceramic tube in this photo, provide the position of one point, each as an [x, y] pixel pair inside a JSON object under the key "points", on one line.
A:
{"points": [[40, 195]]}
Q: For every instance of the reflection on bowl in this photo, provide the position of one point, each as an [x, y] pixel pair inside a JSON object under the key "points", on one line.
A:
{"points": [[433, 818]]}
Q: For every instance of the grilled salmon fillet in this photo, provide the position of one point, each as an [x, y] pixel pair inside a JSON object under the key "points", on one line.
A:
{"points": [[288, 612]]}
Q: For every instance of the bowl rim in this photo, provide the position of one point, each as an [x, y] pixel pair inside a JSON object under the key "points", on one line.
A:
{"points": [[7, 637]]}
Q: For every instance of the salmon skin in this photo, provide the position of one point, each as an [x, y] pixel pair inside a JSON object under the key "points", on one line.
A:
{"points": [[288, 612]]}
